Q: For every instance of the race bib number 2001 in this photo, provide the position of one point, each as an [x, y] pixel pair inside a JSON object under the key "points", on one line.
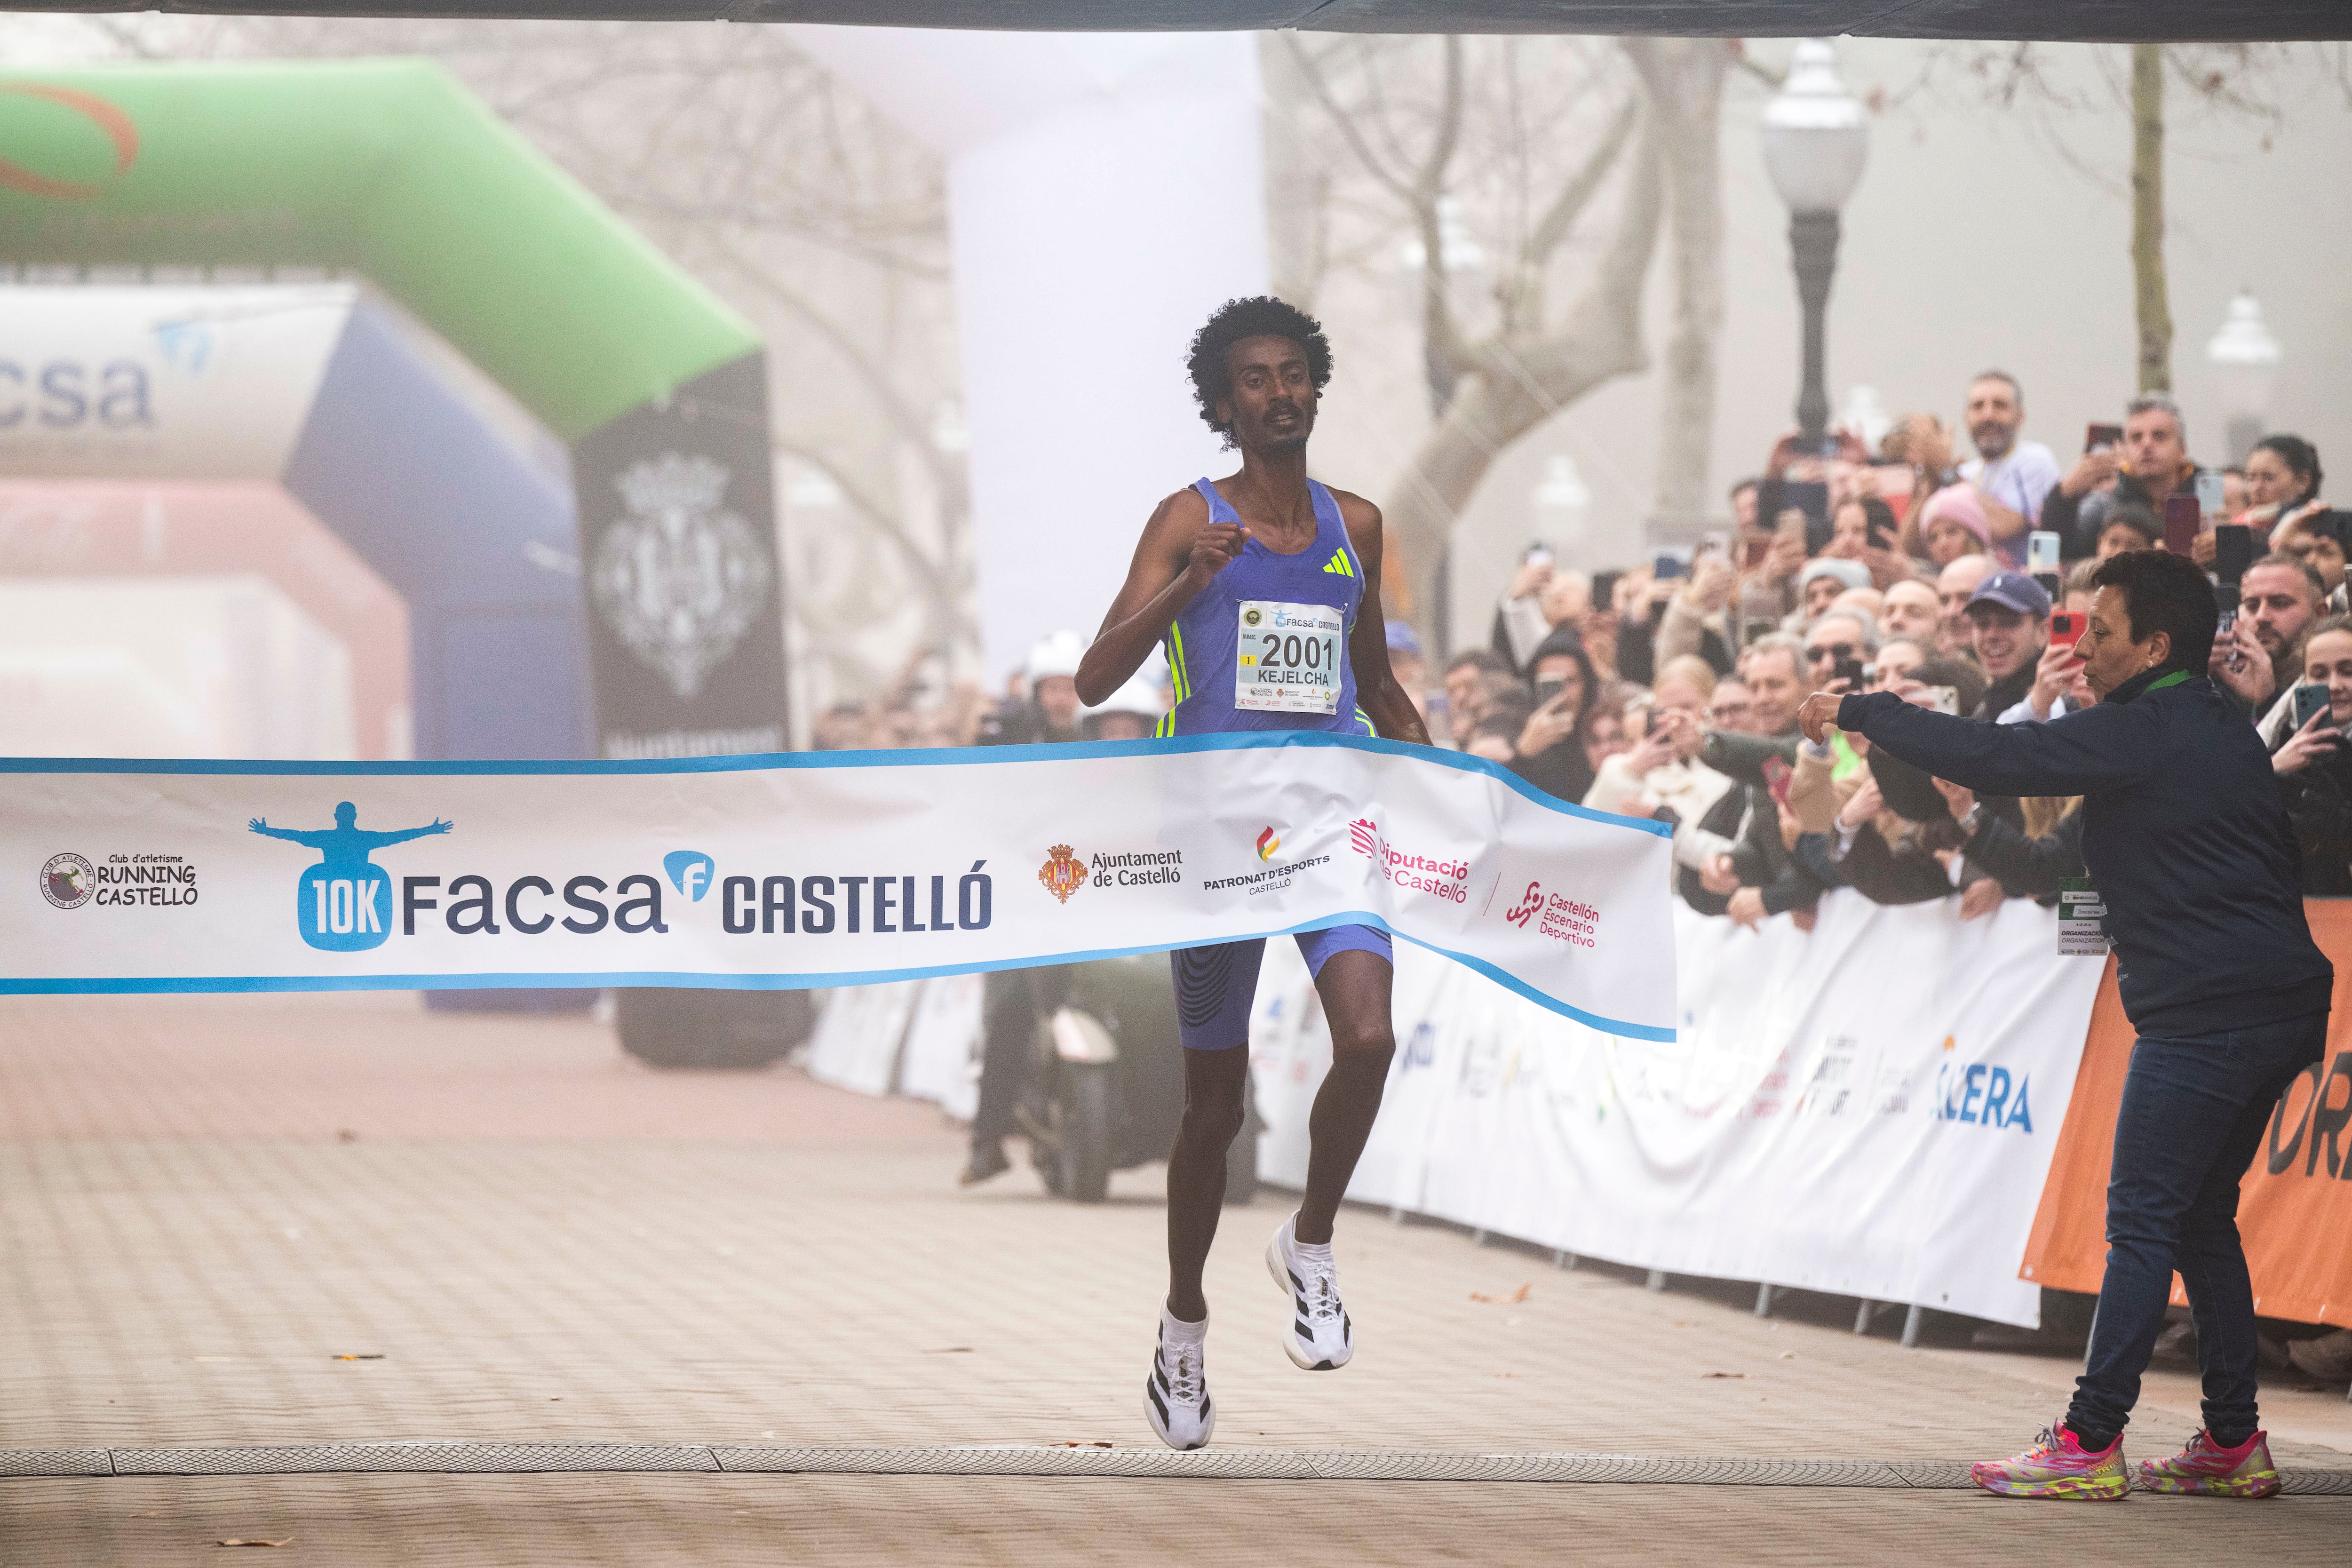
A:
{"points": [[1290, 657]]}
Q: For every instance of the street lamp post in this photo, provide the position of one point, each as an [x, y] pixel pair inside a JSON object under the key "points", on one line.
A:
{"points": [[2244, 357], [1814, 146]]}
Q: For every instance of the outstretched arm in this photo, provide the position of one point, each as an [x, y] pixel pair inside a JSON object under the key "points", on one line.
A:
{"points": [[1377, 691], [378, 840], [1180, 552], [295, 834], [2102, 747]]}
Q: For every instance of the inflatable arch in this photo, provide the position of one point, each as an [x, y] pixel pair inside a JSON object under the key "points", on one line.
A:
{"points": [[391, 170], [638, 615], [73, 530], [323, 393]]}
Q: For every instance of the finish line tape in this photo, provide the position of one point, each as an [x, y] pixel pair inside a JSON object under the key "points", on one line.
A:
{"points": [[816, 869]]}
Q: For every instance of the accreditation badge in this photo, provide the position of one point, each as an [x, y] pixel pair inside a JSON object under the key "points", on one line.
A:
{"points": [[2081, 920]]}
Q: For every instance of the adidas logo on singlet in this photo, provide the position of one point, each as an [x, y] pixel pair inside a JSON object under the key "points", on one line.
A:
{"points": [[1339, 563]]}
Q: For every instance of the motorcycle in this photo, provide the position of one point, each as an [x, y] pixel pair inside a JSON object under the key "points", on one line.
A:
{"points": [[1105, 1089]]}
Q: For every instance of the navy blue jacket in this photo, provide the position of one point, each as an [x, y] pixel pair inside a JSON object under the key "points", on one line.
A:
{"points": [[2183, 833]]}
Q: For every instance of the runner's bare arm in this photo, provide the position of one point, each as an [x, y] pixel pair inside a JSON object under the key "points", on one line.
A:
{"points": [[1180, 552], [1377, 691]]}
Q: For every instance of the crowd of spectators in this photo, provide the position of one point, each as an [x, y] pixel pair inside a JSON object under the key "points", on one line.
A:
{"points": [[1669, 690]]}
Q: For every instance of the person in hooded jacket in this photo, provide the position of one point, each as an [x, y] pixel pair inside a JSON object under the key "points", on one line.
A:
{"points": [[1550, 750]]}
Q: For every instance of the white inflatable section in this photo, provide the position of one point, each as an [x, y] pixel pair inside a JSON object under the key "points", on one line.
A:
{"points": [[183, 666], [175, 382], [1106, 192]]}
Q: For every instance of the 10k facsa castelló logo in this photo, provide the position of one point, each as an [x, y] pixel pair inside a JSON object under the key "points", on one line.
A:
{"points": [[343, 904]]}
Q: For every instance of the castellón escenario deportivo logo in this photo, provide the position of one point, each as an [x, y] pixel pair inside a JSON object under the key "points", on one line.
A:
{"points": [[343, 904]]}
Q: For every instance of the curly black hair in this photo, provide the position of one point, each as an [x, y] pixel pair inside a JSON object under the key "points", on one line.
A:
{"points": [[1259, 316]]}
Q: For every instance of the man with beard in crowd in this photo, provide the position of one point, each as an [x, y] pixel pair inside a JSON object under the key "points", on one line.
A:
{"points": [[2013, 475], [2279, 599]]}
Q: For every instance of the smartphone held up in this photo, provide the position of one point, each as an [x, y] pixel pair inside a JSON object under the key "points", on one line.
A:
{"points": [[2310, 701], [2182, 521]]}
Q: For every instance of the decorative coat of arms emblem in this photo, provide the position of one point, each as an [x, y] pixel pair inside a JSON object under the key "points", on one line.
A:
{"points": [[678, 578], [1063, 873]]}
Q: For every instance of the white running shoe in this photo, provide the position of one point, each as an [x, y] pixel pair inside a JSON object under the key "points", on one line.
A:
{"points": [[1176, 1394], [1320, 1338]]}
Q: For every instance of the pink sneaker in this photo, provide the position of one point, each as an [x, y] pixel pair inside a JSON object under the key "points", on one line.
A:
{"points": [[2208, 1469], [2058, 1466]]}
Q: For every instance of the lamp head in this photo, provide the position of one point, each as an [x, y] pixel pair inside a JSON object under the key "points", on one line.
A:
{"points": [[1815, 140]]}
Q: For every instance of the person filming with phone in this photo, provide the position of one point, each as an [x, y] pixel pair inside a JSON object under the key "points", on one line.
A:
{"points": [[2194, 860], [2306, 735], [2136, 464], [2279, 600]]}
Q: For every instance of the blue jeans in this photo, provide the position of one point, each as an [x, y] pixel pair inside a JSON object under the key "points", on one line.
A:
{"points": [[2194, 1110]]}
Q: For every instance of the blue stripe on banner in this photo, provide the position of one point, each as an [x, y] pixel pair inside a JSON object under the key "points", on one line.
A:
{"points": [[921, 757], [701, 981]]}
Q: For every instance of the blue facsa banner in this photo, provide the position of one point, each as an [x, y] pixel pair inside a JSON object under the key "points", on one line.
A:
{"points": [[816, 869]]}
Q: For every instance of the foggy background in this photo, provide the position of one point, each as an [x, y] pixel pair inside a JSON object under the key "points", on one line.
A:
{"points": [[1991, 229]]}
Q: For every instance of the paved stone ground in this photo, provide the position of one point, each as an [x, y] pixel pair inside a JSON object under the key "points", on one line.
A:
{"points": [[203, 1203]]}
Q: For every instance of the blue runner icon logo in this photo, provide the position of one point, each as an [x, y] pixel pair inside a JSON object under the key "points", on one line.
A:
{"points": [[343, 904]]}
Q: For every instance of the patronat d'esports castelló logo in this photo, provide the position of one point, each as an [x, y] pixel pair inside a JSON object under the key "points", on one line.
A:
{"points": [[1268, 843], [343, 904]]}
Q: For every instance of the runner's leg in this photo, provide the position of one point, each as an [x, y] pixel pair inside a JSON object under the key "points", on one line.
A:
{"points": [[1214, 988], [1196, 1169], [1354, 985]]}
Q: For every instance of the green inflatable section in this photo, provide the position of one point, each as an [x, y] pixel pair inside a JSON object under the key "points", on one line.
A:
{"points": [[388, 168]]}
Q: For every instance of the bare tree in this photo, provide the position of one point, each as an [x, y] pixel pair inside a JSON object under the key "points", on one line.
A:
{"points": [[1684, 80], [2236, 80], [2151, 294], [787, 194], [1430, 120]]}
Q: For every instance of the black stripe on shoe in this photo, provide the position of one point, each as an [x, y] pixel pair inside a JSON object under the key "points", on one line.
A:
{"points": [[1157, 1403]]}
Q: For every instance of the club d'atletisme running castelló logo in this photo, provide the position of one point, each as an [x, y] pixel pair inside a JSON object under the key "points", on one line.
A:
{"points": [[68, 880]]}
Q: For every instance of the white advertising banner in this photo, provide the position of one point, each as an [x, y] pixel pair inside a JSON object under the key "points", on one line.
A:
{"points": [[826, 869], [191, 383], [1867, 1109]]}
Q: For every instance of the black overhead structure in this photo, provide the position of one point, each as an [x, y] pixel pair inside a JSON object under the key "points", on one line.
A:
{"points": [[2076, 20]]}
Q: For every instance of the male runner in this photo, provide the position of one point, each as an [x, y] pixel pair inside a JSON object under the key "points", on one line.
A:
{"points": [[1216, 561]]}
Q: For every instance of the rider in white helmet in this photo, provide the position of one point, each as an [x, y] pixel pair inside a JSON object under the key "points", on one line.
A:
{"points": [[1133, 711], [1049, 678]]}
